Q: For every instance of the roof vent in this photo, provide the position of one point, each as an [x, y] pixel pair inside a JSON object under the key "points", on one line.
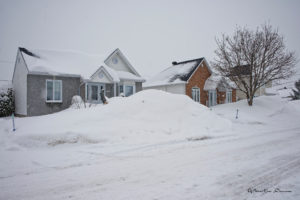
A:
{"points": [[174, 63]]}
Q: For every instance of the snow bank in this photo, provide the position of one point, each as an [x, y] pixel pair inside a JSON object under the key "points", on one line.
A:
{"points": [[148, 116], [266, 110]]}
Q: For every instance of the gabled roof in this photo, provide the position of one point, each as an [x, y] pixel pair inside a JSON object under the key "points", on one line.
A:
{"points": [[119, 52], [214, 81], [69, 63], [180, 72], [116, 76], [108, 71], [55, 62]]}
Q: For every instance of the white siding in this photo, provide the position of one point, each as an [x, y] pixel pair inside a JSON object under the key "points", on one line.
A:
{"points": [[20, 85], [103, 79], [120, 65], [261, 91], [175, 89]]}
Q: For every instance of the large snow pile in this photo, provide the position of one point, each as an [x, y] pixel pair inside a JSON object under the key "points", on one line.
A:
{"points": [[267, 111], [148, 116]]}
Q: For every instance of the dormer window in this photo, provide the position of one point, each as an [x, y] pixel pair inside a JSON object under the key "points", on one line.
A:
{"points": [[100, 75], [115, 60]]}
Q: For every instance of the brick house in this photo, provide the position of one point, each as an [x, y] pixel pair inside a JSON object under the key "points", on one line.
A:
{"points": [[195, 79]]}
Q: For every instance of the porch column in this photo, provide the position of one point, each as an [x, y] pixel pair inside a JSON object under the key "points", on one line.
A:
{"points": [[115, 89]]}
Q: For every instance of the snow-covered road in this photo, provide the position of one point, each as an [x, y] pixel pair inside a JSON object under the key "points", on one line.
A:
{"points": [[217, 168]]}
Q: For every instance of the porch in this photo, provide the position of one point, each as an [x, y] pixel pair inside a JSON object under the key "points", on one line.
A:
{"points": [[91, 91]]}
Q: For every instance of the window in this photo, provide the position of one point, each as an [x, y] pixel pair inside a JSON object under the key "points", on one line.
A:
{"points": [[94, 93], [196, 94], [121, 89], [115, 60], [228, 96], [54, 90], [128, 90], [212, 98]]}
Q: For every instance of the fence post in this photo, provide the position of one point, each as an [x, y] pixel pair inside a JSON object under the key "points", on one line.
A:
{"points": [[13, 121], [237, 114]]}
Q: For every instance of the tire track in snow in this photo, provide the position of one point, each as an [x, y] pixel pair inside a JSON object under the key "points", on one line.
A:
{"points": [[267, 175]]}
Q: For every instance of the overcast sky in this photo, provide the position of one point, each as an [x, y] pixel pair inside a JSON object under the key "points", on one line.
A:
{"points": [[150, 33]]}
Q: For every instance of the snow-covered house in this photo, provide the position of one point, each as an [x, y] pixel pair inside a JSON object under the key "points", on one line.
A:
{"points": [[195, 79], [45, 81]]}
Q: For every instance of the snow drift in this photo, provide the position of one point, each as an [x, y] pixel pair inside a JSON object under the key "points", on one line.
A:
{"points": [[147, 116]]}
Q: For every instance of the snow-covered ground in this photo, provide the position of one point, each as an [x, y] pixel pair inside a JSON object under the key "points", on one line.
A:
{"points": [[155, 145]]}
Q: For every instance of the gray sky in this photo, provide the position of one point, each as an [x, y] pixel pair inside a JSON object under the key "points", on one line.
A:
{"points": [[151, 34]]}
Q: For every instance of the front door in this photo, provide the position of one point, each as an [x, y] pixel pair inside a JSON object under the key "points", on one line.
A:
{"points": [[93, 93], [228, 96], [212, 98]]}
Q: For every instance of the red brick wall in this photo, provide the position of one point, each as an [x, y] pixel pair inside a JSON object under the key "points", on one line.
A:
{"points": [[221, 97], [198, 80], [233, 95]]}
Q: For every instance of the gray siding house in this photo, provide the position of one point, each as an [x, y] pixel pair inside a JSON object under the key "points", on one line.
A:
{"points": [[45, 81]]}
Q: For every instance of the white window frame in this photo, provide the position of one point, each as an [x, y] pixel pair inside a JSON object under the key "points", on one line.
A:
{"points": [[88, 92], [53, 91], [121, 86], [97, 93], [214, 100], [124, 86], [227, 93], [196, 92]]}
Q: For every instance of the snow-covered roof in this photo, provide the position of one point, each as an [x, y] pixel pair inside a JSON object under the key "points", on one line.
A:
{"points": [[178, 73], [61, 62], [215, 80], [70, 63], [117, 76], [111, 73], [212, 82], [128, 76]]}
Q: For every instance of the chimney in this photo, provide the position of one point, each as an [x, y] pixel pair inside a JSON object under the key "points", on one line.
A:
{"points": [[174, 63]]}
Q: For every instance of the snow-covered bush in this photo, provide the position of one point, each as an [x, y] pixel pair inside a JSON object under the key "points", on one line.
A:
{"points": [[121, 94], [296, 92], [7, 103], [77, 102]]}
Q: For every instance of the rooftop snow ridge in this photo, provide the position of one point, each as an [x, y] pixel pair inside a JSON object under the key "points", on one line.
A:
{"points": [[26, 51], [70, 62], [186, 61], [179, 72]]}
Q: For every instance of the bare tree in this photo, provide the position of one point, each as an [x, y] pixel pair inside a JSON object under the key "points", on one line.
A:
{"points": [[252, 59]]}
